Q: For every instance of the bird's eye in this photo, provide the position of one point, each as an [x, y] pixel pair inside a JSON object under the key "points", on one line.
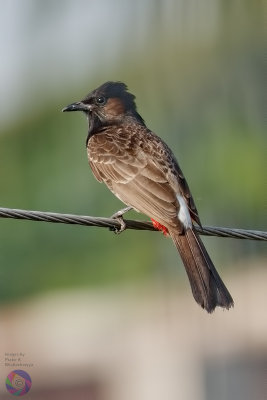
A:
{"points": [[100, 100]]}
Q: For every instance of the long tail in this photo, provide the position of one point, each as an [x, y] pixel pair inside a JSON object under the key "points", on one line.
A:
{"points": [[207, 287]]}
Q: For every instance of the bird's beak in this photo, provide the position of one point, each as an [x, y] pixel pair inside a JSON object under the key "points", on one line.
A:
{"points": [[79, 106]]}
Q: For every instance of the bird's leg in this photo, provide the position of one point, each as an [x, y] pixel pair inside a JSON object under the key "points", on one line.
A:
{"points": [[119, 217]]}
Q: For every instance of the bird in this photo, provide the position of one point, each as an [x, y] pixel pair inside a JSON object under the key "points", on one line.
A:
{"points": [[140, 169]]}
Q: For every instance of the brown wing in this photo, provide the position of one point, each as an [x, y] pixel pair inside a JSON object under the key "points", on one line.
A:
{"points": [[138, 171]]}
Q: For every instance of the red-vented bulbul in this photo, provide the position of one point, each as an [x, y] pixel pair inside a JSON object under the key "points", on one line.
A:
{"points": [[141, 170]]}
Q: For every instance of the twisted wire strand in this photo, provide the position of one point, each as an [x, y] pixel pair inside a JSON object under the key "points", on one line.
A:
{"points": [[130, 224]]}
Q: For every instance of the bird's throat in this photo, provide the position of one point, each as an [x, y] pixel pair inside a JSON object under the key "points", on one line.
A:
{"points": [[95, 125]]}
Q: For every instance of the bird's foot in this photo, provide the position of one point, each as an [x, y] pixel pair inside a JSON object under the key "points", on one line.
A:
{"points": [[119, 217]]}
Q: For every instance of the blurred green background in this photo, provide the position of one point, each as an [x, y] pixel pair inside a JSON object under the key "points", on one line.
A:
{"points": [[197, 71]]}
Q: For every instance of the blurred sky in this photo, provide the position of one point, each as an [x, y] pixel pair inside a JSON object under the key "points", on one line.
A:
{"points": [[49, 46]]}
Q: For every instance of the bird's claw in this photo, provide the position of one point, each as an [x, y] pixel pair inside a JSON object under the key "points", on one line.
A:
{"points": [[118, 216], [118, 230]]}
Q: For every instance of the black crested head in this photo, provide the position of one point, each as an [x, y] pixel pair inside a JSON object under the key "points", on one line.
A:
{"points": [[113, 94], [114, 90], [107, 105]]}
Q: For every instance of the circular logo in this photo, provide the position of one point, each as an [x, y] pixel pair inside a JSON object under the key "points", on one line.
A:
{"points": [[18, 382]]}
